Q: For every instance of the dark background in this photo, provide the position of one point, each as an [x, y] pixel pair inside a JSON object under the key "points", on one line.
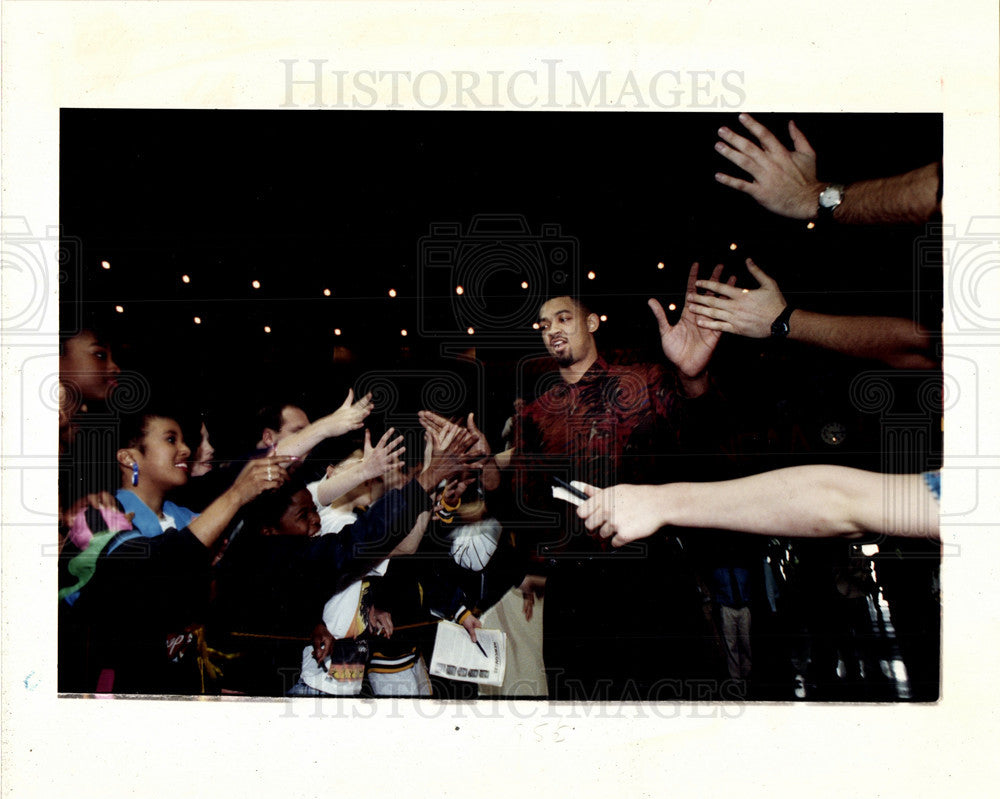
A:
{"points": [[363, 202]]}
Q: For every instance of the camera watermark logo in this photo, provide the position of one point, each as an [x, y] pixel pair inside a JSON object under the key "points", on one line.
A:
{"points": [[491, 277], [970, 263], [907, 432], [28, 263]]}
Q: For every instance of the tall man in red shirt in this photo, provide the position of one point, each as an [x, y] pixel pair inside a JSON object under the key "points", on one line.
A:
{"points": [[618, 625]]}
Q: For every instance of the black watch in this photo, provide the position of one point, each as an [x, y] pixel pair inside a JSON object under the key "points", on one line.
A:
{"points": [[779, 327]]}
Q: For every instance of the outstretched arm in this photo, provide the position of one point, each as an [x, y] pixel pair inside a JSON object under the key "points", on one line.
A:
{"points": [[897, 342], [349, 416], [381, 459], [802, 501], [784, 181], [900, 343], [257, 476], [443, 458], [411, 542], [910, 197]]}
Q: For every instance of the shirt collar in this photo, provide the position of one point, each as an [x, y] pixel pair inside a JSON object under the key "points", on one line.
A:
{"points": [[597, 368]]}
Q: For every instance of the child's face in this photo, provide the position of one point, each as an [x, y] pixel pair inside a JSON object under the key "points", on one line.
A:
{"points": [[301, 516], [164, 463]]}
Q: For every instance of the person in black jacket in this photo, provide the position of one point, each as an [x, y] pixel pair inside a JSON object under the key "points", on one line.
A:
{"points": [[277, 572]]}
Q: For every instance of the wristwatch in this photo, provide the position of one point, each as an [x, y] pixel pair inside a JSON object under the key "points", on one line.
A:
{"points": [[829, 199], [779, 327]]}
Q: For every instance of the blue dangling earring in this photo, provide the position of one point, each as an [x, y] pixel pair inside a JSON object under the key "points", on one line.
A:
{"points": [[135, 473]]}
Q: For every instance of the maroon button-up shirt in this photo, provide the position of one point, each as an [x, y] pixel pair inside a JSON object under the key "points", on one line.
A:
{"points": [[617, 424]]}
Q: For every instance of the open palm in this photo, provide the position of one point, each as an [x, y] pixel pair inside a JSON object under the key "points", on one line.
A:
{"points": [[688, 346]]}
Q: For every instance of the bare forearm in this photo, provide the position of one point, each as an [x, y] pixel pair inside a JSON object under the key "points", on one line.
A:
{"points": [[805, 501], [213, 520], [301, 443], [411, 542], [773, 503], [900, 343], [491, 474], [910, 197], [340, 482]]}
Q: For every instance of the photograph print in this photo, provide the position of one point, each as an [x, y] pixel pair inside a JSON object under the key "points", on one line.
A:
{"points": [[655, 399]]}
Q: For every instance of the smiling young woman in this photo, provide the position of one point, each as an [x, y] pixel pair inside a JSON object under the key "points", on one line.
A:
{"points": [[143, 590], [154, 462]]}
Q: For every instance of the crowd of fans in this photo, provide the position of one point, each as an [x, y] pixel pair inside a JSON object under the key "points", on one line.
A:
{"points": [[275, 572]]}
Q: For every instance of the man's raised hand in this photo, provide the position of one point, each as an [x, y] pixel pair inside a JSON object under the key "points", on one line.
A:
{"points": [[686, 345]]}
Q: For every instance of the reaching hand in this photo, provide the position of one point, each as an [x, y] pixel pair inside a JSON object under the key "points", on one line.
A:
{"points": [[431, 422], [483, 455], [455, 488], [688, 346], [434, 423], [259, 475], [349, 416], [745, 312], [480, 447], [448, 455], [384, 457], [784, 181], [624, 513]]}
